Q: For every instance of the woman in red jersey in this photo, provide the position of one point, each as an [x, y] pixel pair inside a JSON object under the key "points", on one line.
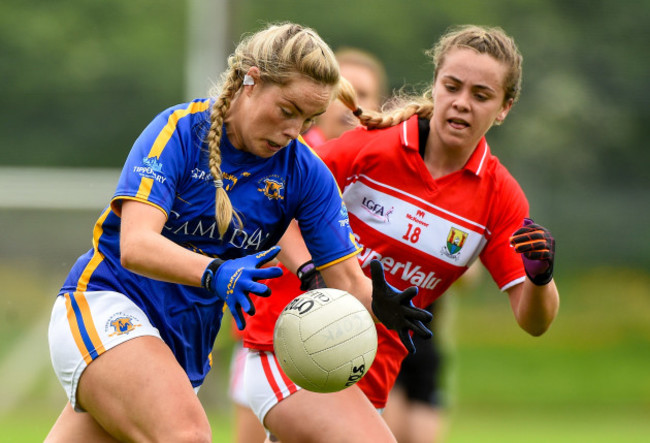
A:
{"points": [[425, 198]]}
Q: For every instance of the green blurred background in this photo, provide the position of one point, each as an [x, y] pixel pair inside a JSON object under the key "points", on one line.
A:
{"points": [[81, 79]]}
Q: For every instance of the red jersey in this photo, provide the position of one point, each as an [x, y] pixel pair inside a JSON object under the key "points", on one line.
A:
{"points": [[425, 231]]}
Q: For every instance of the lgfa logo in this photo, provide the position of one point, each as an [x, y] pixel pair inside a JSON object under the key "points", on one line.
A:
{"points": [[376, 209]]}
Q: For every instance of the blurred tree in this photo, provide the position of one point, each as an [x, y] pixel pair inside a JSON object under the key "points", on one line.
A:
{"points": [[81, 79]]}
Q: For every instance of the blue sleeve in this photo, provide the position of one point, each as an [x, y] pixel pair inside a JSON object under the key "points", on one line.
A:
{"points": [[323, 217], [158, 159]]}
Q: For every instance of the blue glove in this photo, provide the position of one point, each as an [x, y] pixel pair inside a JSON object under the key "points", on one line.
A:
{"points": [[232, 281], [395, 309], [537, 248]]}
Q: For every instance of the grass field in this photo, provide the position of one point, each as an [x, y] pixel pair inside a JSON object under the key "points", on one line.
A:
{"points": [[586, 380]]}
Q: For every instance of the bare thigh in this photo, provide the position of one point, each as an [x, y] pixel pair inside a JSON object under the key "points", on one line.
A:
{"points": [[344, 416], [396, 413], [248, 428], [137, 391], [77, 427]]}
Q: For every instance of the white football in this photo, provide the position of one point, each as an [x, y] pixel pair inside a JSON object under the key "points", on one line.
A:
{"points": [[325, 340]]}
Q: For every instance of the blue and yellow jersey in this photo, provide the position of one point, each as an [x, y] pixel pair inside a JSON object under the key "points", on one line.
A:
{"points": [[168, 168]]}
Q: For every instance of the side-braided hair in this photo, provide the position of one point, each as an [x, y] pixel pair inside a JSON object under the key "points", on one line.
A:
{"points": [[395, 111], [280, 52]]}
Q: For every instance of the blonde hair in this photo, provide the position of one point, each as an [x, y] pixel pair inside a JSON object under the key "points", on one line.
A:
{"points": [[280, 52], [492, 41], [398, 109]]}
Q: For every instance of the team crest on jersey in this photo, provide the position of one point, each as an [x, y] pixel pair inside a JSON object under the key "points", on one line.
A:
{"points": [[455, 241], [273, 187], [120, 324]]}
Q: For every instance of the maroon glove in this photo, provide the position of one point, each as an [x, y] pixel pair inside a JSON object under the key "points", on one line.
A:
{"points": [[537, 246], [309, 277]]}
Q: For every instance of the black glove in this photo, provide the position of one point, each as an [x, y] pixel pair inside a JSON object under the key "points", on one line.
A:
{"points": [[395, 309], [309, 277], [232, 281], [537, 246]]}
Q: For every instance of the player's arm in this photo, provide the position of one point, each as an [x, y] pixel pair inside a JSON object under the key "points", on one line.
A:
{"points": [[348, 276], [294, 251], [345, 275], [536, 301], [144, 250], [534, 307]]}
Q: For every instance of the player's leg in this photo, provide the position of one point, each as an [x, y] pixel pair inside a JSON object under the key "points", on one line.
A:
{"points": [[133, 388], [396, 412], [425, 423], [248, 428], [292, 414], [150, 400], [414, 410], [344, 416], [77, 427]]}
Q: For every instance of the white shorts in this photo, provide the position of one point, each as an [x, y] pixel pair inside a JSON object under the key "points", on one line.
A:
{"points": [[84, 325], [236, 388], [265, 383]]}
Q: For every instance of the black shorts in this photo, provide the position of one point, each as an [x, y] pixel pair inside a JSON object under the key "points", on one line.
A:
{"points": [[420, 375]]}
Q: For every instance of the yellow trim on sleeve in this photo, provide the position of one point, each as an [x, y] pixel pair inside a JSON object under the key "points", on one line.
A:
{"points": [[116, 204], [167, 132], [145, 188], [338, 260]]}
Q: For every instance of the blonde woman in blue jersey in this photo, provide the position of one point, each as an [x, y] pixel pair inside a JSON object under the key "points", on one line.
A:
{"points": [[208, 189]]}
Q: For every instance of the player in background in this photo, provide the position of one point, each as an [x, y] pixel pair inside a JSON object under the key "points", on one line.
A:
{"points": [[368, 77], [208, 189], [426, 198], [416, 410]]}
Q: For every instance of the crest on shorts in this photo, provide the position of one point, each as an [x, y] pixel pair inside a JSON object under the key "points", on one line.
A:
{"points": [[455, 240], [121, 324]]}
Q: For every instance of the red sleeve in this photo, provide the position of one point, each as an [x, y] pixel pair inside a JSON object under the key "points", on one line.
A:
{"points": [[503, 263]]}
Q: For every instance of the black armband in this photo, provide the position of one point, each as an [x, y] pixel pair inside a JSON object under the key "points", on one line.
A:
{"points": [[208, 274]]}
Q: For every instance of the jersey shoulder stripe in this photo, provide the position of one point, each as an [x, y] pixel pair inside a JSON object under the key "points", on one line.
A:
{"points": [[168, 130]]}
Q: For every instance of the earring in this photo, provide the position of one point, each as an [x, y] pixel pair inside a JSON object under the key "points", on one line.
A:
{"points": [[248, 80]]}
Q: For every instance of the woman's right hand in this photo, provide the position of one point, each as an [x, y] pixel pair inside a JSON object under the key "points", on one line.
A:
{"points": [[233, 280], [395, 309]]}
